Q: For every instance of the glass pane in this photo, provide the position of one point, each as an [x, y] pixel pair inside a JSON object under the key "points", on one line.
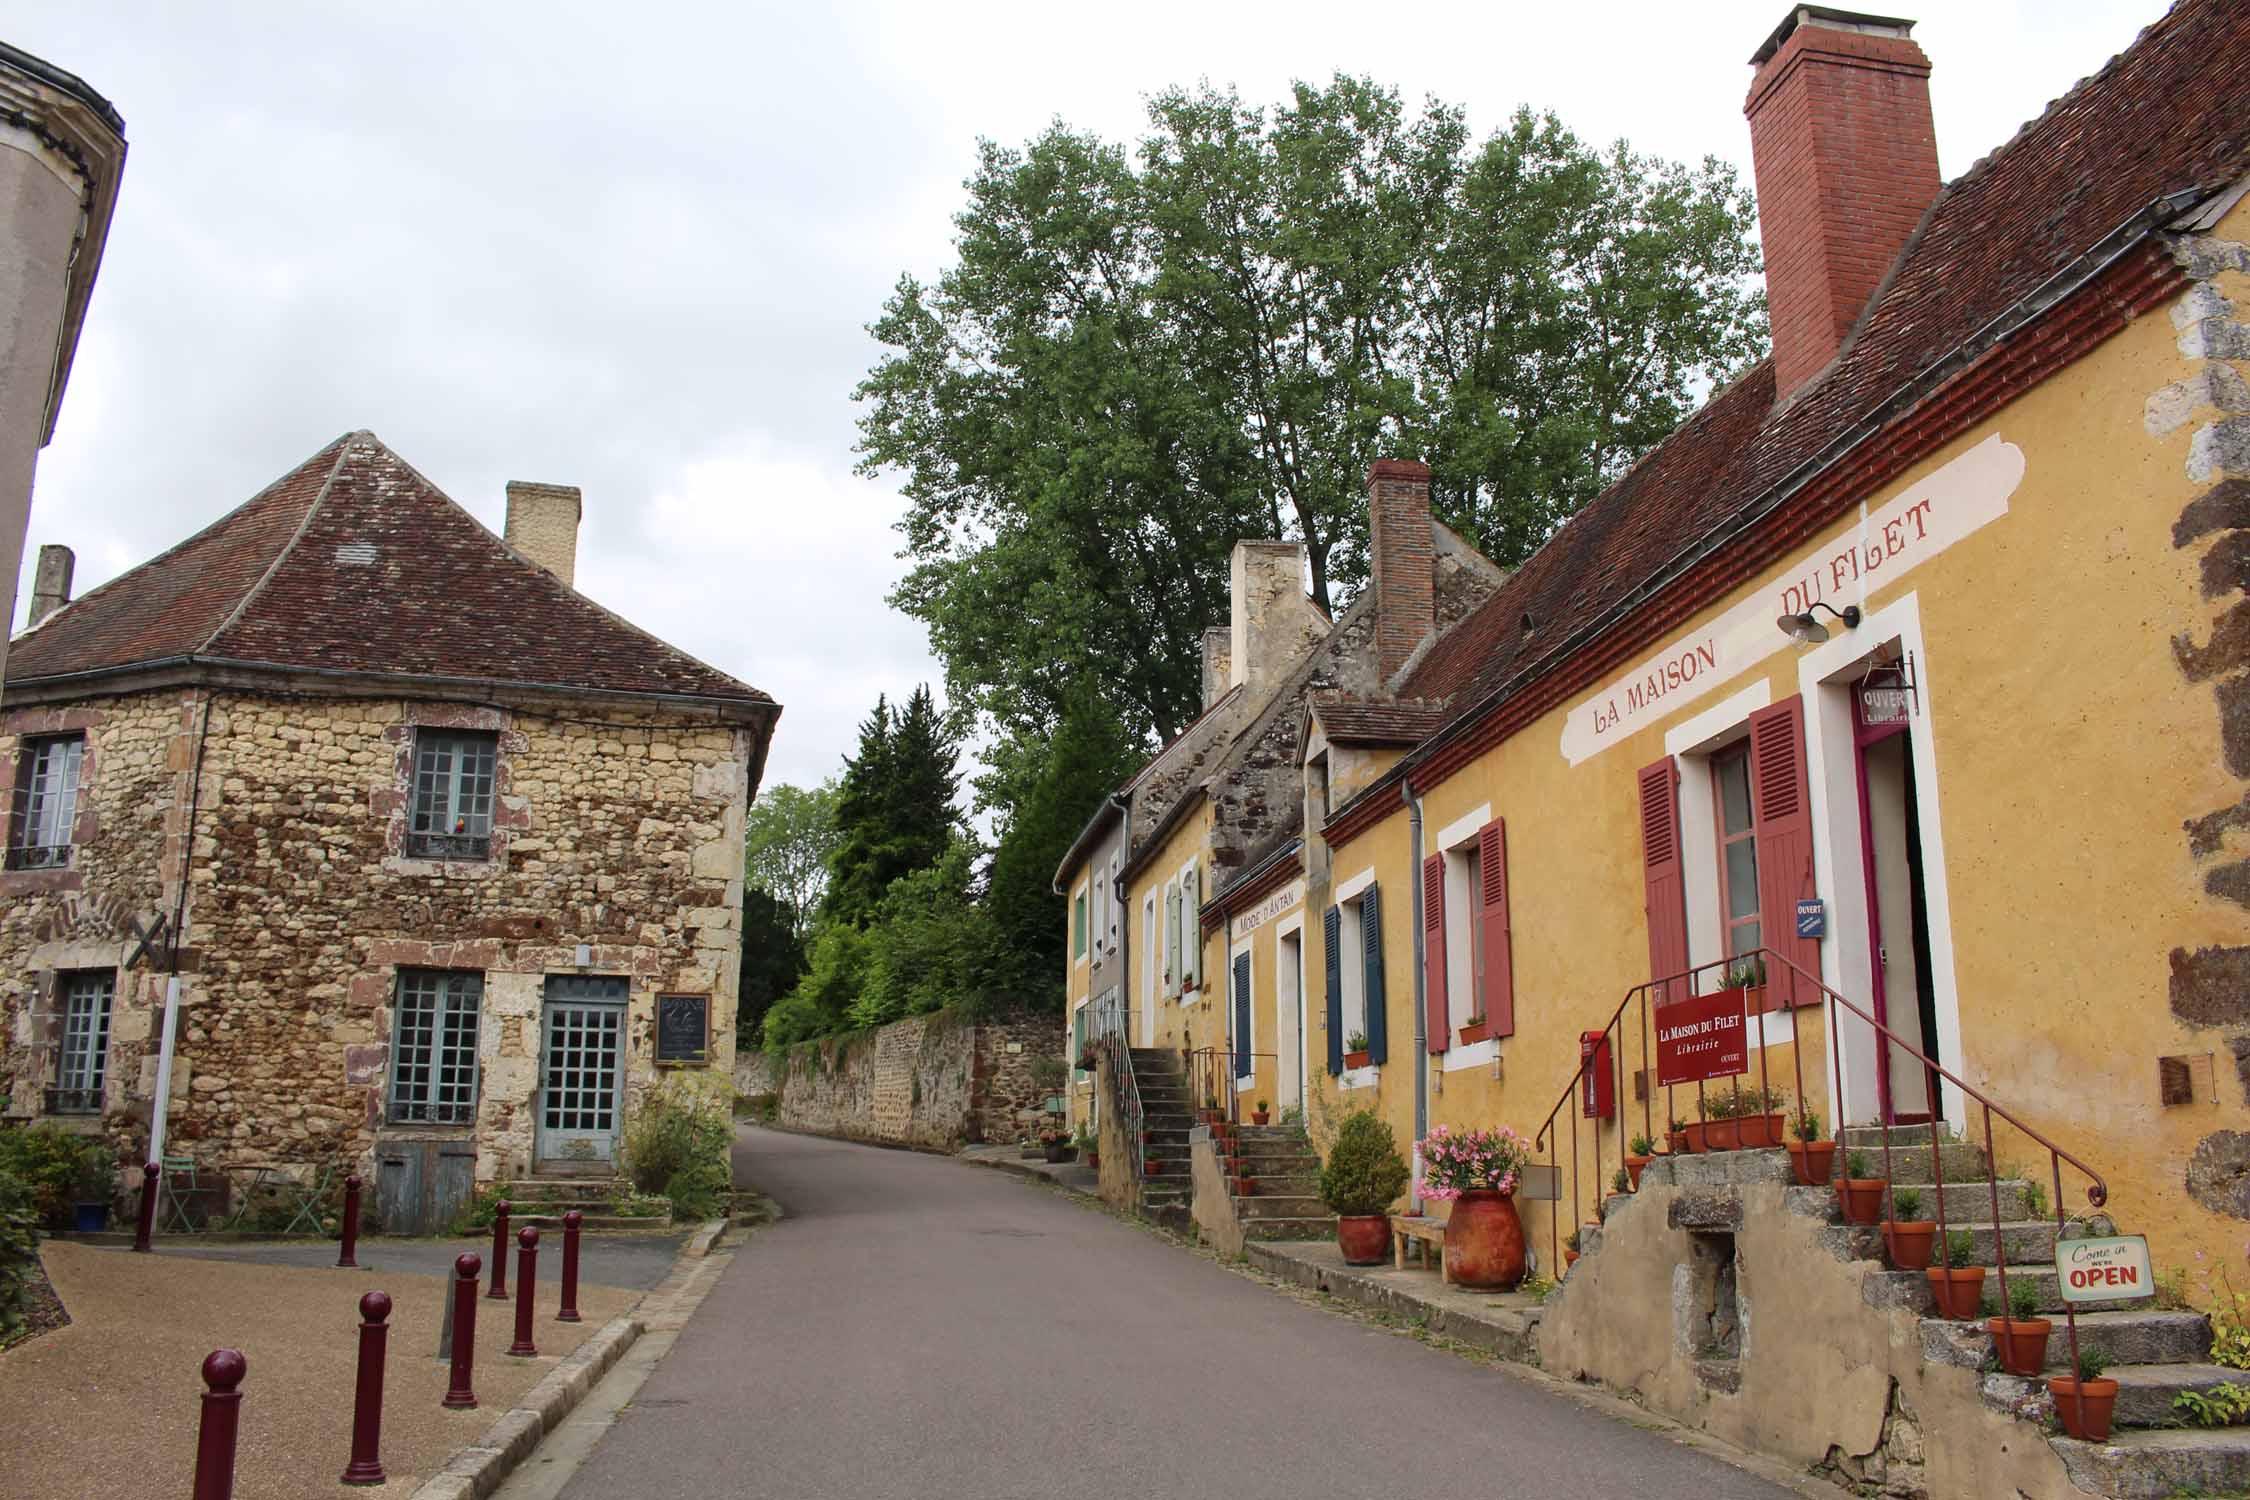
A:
{"points": [[1734, 793], [1743, 936], [1742, 879]]}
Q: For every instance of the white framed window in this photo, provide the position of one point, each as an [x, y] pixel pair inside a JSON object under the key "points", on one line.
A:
{"points": [[85, 999], [1191, 931], [454, 771], [46, 802], [1078, 925], [434, 1046]]}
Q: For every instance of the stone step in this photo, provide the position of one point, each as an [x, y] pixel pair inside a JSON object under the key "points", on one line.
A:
{"points": [[545, 1189], [1260, 1206], [1871, 1137], [1912, 1289], [546, 1221], [1300, 1183], [2145, 1392], [2145, 1465], [1963, 1164], [1322, 1227], [2128, 1338]]}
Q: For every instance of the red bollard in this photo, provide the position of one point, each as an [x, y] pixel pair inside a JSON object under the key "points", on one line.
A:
{"points": [[345, 1256], [152, 1180], [459, 1395], [573, 1221], [499, 1290], [367, 1395], [527, 1263], [223, 1370]]}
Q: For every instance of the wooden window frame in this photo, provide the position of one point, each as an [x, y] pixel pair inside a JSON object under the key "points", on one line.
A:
{"points": [[41, 834], [1737, 753], [435, 1101], [467, 785], [86, 1001]]}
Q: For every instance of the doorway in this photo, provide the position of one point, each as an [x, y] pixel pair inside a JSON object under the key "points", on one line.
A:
{"points": [[581, 1075], [1898, 919], [1289, 1020]]}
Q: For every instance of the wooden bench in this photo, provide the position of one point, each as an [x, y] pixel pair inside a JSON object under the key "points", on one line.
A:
{"points": [[1429, 1232]]}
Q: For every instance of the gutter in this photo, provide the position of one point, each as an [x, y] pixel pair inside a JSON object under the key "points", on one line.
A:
{"points": [[1115, 802]]}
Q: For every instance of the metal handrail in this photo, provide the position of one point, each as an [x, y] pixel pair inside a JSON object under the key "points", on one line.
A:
{"points": [[1211, 1075], [2097, 1189], [1113, 1044]]}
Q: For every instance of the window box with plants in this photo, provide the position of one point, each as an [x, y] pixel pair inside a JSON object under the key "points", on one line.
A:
{"points": [[1810, 1157], [1475, 1029], [1749, 976], [1362, 1177], [1476, 1171], [1859, 1195], [1743, 1118], [1355, 1050], [2020, 1338], [1957, 1286], [1906, 1234]]}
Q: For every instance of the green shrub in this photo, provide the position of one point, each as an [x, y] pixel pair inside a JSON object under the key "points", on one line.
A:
{"points": [[58, 1168], [677, 1144], [1364, 1171], [476, 1215], [1906, 1205], [19, 1252]]}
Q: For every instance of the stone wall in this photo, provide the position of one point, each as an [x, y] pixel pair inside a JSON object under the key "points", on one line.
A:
{"points": [[937, 1082], [615, 829]]}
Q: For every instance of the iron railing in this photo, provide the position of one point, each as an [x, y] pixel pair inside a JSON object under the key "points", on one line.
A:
{"points": [[74, 1101], [1212, 1072], [1111, 1040], [1799, 987]]}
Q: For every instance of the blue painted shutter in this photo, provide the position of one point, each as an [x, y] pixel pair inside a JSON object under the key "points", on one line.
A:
{"points": [[1378, 1012], [1242, 1015], [1332, 937]]}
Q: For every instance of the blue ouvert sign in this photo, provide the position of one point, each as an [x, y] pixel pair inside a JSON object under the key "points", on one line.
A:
{"points": [[1812, 918]]}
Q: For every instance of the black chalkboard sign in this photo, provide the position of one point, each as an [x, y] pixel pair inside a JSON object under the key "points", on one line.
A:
{"points": [[683, 1028]]}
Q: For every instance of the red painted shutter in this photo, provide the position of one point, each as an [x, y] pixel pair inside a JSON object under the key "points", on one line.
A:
{"points": [[1433, 953], [1499, 956], [1781, 810], [1661, 869]]}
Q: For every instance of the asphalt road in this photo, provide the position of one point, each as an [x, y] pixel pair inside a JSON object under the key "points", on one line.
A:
{"points": [[917, 1327]]}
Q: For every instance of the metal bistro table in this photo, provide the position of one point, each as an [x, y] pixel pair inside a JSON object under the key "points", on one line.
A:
{"points": [[304, 1199]]}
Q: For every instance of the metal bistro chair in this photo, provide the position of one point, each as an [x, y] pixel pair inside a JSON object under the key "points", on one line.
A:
{"points": [[308, 1199], [175, 1208]]}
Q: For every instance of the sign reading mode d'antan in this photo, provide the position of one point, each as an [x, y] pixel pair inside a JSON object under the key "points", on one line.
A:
{"points": [[1701, 1037]]}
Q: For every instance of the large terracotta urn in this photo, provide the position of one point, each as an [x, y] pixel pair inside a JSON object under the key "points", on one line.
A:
{"points": [[1365, 1239], [1484, 1240]]}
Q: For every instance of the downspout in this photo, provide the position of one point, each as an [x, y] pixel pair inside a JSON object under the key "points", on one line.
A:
{"points": [[1226, 988], [1421, 1000], [160, 1107]]}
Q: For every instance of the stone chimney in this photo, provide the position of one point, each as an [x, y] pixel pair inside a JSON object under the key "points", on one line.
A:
{"points": [[543, 525], [1274, 624], [50, 583], [1403, 552], [1845, 155], [1218, 662]]}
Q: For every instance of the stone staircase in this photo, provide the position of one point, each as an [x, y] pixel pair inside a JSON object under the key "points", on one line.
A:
{"points": [[1167, 1117], [542, 1201], [2155, 1354], [1273, 1176]]}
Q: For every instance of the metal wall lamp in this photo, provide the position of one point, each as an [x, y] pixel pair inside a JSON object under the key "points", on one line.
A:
{"points": [[1809, 630]]}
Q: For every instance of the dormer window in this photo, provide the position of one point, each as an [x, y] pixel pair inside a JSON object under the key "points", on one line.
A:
{"points": [[453, 775], [46, 802]]}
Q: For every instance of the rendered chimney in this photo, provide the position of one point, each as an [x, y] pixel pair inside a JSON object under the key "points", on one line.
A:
{"points": [[543, 525], [1274, 624], [50, 583], [1404, 553], [1218, 663], [1846, 160]]}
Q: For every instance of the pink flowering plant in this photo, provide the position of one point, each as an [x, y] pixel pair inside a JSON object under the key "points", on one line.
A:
{"points": [[1460, 1161]]}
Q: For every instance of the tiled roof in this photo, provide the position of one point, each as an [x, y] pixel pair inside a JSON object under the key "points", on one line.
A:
{"points": [[2163, 120], [355, 563], [1377, 721]]}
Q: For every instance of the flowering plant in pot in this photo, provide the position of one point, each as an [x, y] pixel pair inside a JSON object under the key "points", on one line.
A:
{"points": [[1355, 1050], [2020, 1338], [1055, 1144], [1860, 1195], [1957, 1286], [1906, 1233], [1363, 1175], [1261, 1114], [1476, 1171], [1639, 1152], [2084, 1405], [1475, 1030], [1720, 1130], [1759, 1113], [1813, 1159]]}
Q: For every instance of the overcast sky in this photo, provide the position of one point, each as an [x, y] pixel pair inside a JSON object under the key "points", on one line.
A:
{"points": [[635, 248]]}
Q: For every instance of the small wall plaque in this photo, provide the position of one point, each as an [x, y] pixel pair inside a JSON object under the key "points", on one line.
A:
{"points": [[683, 1028]]}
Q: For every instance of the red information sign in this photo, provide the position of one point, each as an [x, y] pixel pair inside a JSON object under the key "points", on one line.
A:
{"points": [[1701, 1037]]}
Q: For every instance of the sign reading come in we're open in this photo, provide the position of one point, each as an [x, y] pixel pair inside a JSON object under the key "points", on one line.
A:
{"points": [[1701, 1037]]}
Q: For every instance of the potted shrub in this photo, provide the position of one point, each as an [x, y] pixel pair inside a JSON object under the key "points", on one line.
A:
{"points": [[1355, 1050], [1813, 1159], [1245, 1186], [1722, 1130], [1758, 1115], [2085, 1404], [1906, 1233], [1474, 1030], [1261, 1114], [1621, 1182], [1677, 1141], [1212, 1114], [1476, 1171], [1570, 1243], [1639, 1152], [95, 1187], [2020, 1338], [1054, 1144], [1363, 1175], [1859, 1195], [1749, 976], [1957, 1286]]}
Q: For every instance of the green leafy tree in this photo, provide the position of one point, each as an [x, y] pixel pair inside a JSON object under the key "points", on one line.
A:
{"points": [[821, 1003], [788, 840], [773, 960], [1139, 358], [895, 811], [931, 945]]}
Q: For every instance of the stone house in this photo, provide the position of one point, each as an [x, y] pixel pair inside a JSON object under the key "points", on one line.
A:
{"points": [[404, 855]]}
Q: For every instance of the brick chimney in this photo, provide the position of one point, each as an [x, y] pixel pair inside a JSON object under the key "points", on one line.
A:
{"points": [[50, 582], [543, 525], [1403, 550], [1846, 161]]}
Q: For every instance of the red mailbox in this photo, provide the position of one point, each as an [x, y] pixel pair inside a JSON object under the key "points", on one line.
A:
{"points": [[1597, 1090]]}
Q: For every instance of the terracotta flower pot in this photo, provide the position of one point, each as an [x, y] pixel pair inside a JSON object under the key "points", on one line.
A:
{"points": [[2021, 1343], [1365, 1239], [1959, 1293], [1569, 1259], [1861, 1199], [1633, 1164], [1471, 1035], [1155, 1167], [1760, 1132], [1484, 1240], [1753, 999], [1094, 1160], [1259, 1116], [1909, 1242], [1246, 1187], [1722, 1135], [2084, 1407], [1696, 1137], [1355, 1059], [1813, 1161]]}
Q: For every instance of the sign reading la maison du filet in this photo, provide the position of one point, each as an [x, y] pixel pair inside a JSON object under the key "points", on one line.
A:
{"points": [[1966, 495], [1701, 1037]]}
